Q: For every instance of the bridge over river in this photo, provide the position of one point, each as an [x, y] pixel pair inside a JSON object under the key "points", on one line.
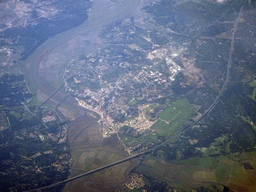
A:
{"points": [[94, 24]]}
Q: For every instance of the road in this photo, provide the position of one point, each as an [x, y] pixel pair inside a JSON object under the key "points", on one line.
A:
{"points": [[88, 173], [94, 22], [39, 67]]}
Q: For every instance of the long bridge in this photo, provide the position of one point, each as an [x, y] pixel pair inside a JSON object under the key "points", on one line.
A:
{"points": [[229, 65], [88, 173]]}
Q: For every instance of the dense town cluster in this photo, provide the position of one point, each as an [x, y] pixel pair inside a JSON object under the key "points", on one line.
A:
{"points": [[151, 80], [125, 76]]}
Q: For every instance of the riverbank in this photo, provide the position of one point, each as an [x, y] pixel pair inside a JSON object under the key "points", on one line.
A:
{"points": [[41, 67], [42, 72]]}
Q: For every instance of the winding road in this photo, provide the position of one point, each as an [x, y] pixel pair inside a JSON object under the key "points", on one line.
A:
{"points": [[95, 23], [42, 67]]}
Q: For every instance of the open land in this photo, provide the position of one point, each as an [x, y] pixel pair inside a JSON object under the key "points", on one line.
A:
{"points": [[234, 171], [42, 74], [130, 68]]}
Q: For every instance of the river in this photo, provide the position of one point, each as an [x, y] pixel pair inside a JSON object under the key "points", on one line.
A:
{"points": [[42, 66], [42, 71]]}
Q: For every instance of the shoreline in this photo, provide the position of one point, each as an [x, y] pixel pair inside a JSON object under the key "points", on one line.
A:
{"points": [[41, 55], [55, 51]]}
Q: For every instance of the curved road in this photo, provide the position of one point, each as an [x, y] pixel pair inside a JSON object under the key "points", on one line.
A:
{"points": [[36, 65], [149, 150]]}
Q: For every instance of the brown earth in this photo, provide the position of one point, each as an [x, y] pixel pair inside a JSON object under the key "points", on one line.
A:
{"points": [[89, 151]]}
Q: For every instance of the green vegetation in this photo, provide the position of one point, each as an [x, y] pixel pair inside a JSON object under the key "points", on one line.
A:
{"points": [[76, 157], [17, 111], [152, 162], [32, 87], [88, 167], [252, 83], [254, 94], [87, 160], [197, 161], [135, 190], [56, 83], [34, 101], [223, 172], [133, 101], [249, 121], [173, 118], [158, 39], [150, 109], [219, 146], [131, 138], [145, 170], [30, 81], [167, 172], [62, 68], [222, 169], [177, 107]]}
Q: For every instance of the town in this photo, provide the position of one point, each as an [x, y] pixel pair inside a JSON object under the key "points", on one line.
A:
{"points": [[121, 79]]}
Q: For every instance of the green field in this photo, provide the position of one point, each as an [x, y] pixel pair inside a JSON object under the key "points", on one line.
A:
{"points": [[249, 121], [133, 139], [197, 161], [253, 84], [169, 173], [173, 118], [88, 160], [133, 101], [171, 121], [179, 106], [194, 172]]}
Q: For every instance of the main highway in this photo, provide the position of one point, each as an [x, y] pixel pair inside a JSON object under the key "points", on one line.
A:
{"points": [[125, 8]]}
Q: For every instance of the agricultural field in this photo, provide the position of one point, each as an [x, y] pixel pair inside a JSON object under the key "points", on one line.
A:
{"points": [[177, 176], [90, 151], [170, 121], [173, 118], [178, 107], [88, 160], [236, 171]]}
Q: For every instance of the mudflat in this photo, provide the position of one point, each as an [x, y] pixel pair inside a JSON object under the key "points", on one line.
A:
{"points": [[42, 69]]}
